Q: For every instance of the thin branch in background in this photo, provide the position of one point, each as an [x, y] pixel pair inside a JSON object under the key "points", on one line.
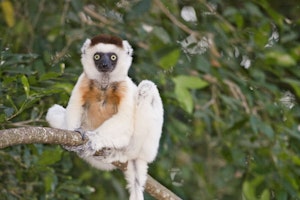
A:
{"points": [[238, 94], [41, 8], [220, 17], [59, 55], [64, 13], [104, 22], [183, 27], [44, 135]]}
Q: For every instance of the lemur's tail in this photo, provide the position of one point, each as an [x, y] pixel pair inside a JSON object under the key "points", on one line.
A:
{"points": [[136, 176]]}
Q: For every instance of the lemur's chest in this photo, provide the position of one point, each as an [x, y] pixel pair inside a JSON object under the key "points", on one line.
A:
{"points": [[100, 104]]}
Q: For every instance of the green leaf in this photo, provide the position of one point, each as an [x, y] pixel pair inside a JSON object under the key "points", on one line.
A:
{"points": [[50, 156], [185, 98], [25, 85], [68, 87], [182, 85], [281, 195], [265, 195], [296, 159], [267, 130], [162, 35], [190, 82], [248, 191], [254, 123], [2, 118], [140, 8], [9, 13], [239, 20], [10, 100], [281, 59], [50, 181], [49, 75], [170, 59], [250, 188], [253, 9], [294, 83]]}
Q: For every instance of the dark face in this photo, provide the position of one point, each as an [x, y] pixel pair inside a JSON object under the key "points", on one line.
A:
{"points": [[105, 62]]}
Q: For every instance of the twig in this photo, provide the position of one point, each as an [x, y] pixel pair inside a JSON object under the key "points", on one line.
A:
{"points": [[107, 24], [97, 16], [238, 94], [220, 17], [30, 135], [59, 55], [174, 20]]}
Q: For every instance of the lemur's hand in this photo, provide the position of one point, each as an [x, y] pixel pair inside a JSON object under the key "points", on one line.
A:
{"points": [[89, 148], [85, 149]]}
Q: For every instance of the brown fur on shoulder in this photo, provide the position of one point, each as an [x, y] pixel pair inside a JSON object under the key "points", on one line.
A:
{"points": [[107, 39], [100, 105]]}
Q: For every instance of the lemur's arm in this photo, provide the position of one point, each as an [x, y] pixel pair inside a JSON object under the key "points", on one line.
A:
{"points": [[74, 109]]}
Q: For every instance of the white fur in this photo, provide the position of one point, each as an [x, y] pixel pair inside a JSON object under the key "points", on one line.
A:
{"points": [[127, 47], [124, 60], [148, 123], [74, 109], [56, 117], [132, 134], [116, 131], [136, 176]]}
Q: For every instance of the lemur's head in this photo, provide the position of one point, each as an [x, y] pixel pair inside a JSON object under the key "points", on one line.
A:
{"points": [[106, 55]]}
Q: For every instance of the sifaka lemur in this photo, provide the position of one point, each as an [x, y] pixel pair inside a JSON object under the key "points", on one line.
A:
{"points": [[122, 120]]}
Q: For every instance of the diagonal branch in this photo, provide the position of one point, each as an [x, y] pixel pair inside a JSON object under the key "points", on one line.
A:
{"points": [[174, 20], [44, 135]]}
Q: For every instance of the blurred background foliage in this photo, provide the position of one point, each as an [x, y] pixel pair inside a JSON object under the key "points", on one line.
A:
{"points": [[229, 76]]}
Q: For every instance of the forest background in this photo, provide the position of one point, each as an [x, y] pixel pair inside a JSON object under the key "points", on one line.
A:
{"points": [[228, 73]]}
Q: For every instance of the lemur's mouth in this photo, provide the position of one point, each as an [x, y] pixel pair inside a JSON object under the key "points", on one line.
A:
{"points": [[102, 67]]}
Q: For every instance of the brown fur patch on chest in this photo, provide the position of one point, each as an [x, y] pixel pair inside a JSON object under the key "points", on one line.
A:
{"points": [[100, 105]]}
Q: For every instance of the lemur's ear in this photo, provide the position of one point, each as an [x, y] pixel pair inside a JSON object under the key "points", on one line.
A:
{"points": [[85, 45], [127, 47]]}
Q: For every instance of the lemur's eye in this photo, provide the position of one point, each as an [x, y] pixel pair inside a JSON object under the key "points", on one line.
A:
{"points": [[96, 56], [113, 57]]}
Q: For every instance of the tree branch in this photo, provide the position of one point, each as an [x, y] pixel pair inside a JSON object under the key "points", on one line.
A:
{"points": [[174, 20], [44, 135]]}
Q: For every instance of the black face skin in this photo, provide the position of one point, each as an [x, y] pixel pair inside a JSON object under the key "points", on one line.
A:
{"points": [[105, 62]]}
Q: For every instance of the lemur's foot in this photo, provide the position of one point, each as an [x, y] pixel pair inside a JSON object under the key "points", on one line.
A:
{"points": [[144, 88], [104, 152], [146, 91], [82, 132], [148, 95]]}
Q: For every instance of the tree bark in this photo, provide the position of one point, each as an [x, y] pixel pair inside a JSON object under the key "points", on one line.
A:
{"points": [[44, 135]]}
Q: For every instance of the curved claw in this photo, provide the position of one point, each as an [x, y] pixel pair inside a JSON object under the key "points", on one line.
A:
{"points": [[82, 132]]}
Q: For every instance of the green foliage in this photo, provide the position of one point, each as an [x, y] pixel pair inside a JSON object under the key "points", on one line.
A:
{"points": [[33, 172], [182, 86], [229, 82]]}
